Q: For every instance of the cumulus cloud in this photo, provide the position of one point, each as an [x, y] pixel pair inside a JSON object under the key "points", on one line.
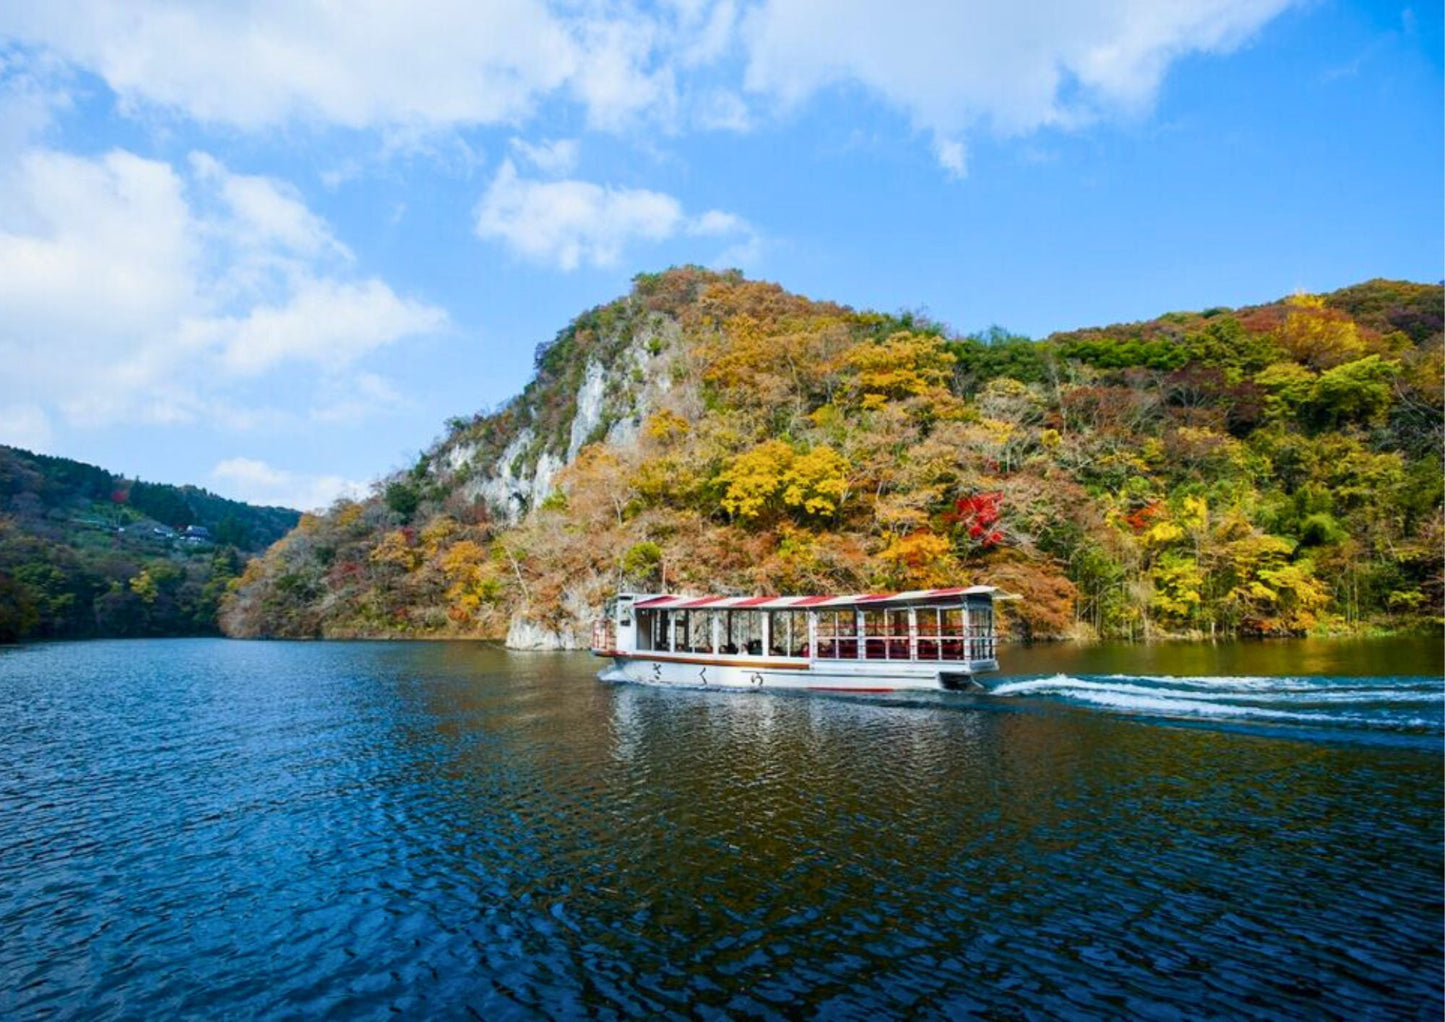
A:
{"points": [[412, 71], [1012, 66], [256, 482], [257, 63], [266, 216], [325, 322], [133, 291], [348, 400], [569, 223]]}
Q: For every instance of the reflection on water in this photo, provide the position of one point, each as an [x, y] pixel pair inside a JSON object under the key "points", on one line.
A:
{"points": [[266, 830]]}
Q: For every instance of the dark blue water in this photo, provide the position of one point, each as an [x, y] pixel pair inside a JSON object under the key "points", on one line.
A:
{"points": [[258, 830]]}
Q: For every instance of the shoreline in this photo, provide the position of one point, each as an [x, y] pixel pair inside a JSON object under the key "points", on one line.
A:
{"points": [[1422, 629]]}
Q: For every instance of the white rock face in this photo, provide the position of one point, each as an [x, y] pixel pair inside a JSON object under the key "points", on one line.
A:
{"points": [[524, 633], [498, 487], [643, 372], [511, 495], [573, 632], [459, 456], [548, 465], [589, 408]]}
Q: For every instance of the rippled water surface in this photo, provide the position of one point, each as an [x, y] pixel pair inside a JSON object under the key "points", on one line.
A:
{"points": [[264, 830]]}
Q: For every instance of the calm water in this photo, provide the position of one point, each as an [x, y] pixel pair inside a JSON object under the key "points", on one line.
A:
{"points": [[240, 830]]}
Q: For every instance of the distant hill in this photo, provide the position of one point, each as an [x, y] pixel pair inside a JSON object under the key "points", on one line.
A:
{"points": [[86, 552], [1268, 470]]}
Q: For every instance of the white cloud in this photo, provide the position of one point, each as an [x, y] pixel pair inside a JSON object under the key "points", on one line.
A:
{"points": [[552, 157], [952, 157], [33, 89], [325, 322], [256, 482], [715, 223], [708, 32], [568, 223], [132, 292], [429, 69], [348, 400], [721, 110], [266, 214], [27, 426], [1012, 66], [364, 64]]}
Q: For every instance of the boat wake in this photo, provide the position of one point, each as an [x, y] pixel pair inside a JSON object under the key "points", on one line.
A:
{"points": [[1410, 704]]}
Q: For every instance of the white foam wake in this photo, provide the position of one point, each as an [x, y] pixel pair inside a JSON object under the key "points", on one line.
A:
{"points": [[1331, 702]]}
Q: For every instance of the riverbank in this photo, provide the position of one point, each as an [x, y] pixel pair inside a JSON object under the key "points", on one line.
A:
{"points": [[537, 635]]}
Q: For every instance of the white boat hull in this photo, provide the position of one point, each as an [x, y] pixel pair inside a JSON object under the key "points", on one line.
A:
{"points": [[794, 673]]}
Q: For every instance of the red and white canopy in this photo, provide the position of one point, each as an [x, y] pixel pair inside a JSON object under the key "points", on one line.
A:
{"points": [[668, 601]]}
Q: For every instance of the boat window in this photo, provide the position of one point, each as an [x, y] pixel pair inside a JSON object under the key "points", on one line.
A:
{"points": [[875, 642], [743, 632], [700, 628], [885, 634], [953, 634], [930, 627], [788, 633], [826, 625], [837, 634], [981, 640]]}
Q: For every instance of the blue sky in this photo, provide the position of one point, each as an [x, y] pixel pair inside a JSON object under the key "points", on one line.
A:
{"points": [[269, 246]]}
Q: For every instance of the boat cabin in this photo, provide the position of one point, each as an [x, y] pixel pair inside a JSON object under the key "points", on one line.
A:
{"points": [[946, 627]]}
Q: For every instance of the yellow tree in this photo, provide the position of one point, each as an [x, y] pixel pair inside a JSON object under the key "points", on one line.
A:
{"points": [[904, 366], [471, 579], [396, 551], [1319, 336], [919, 560], [144, 586], [773, 477]]}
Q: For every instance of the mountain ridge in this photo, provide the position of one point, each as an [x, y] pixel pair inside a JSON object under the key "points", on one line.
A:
{"points": [[729, 435], [86, 552]]}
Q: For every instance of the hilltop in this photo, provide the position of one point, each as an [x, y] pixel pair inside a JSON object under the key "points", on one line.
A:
{"points": [[1266, 470], [86, 552]]}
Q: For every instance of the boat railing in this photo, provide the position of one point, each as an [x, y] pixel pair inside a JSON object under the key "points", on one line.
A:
{"points": [[972, 642]]}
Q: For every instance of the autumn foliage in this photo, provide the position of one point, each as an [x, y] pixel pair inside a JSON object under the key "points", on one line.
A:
{"points": [[1273, 470], [977, 517]]}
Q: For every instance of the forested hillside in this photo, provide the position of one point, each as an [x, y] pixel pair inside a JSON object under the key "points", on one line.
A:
{"points": [[1269, 470], [84, 552]]}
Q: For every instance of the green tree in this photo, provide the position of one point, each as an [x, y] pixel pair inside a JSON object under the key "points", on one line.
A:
{"points": [[402, 497], [18, 616], [1358, 391]]}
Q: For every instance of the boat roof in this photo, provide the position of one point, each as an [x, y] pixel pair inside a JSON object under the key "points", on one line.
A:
{"points": [[672, 601]]}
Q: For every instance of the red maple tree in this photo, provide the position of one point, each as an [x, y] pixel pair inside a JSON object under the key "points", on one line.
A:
{"points": [[978, 516]]}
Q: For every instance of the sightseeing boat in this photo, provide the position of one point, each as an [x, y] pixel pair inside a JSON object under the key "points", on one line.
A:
{"points": [[879, 642]]}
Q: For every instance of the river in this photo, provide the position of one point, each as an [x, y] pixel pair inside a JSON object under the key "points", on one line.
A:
{"points": [[199, 828]]}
